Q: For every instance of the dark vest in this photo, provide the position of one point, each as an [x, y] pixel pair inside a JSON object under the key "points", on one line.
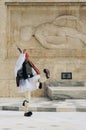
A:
{"points": [[25, 71]]}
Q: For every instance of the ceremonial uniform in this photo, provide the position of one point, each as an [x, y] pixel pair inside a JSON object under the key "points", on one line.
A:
{"points": [[27, 77]]}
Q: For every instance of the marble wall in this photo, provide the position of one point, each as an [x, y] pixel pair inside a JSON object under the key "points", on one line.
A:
{"points": [[54, 32]]}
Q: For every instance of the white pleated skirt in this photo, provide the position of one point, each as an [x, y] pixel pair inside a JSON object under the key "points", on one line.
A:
{"points": [[29, 84]]}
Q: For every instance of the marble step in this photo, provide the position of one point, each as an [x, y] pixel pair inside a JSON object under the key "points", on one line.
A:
{"points": [[56, 93]]}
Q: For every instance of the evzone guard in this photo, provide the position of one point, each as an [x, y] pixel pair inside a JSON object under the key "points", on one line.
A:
{"points": [[27, 77]]}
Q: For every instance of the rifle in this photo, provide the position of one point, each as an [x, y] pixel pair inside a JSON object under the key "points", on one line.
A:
{"points": [[19, 49]]}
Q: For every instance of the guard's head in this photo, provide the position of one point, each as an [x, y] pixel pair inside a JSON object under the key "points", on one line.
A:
{"points": [[26, 54]]}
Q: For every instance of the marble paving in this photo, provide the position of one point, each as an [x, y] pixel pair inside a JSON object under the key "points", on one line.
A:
{"points": [[44, 105], [14, 120]]}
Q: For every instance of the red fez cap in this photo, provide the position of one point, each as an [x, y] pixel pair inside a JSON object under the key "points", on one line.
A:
{"points": [[27, 54]]}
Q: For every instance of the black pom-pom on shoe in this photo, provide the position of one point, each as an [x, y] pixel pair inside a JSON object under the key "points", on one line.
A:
{"points": [[47, 73], [23, 104], [28, 114], [40, 86]]}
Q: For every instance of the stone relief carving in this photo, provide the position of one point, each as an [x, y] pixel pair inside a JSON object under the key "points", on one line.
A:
{"points": [[64, 32], [26, 33]]}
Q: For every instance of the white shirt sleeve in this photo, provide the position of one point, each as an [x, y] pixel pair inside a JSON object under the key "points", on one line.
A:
{"points": [[19, 63]]}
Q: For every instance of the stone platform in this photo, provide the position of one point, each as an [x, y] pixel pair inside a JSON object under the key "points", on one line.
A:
{"points": [[66, 90]]}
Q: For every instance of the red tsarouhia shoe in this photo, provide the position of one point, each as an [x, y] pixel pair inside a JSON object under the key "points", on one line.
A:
{"points": [[47, 73], [28, 114]]}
